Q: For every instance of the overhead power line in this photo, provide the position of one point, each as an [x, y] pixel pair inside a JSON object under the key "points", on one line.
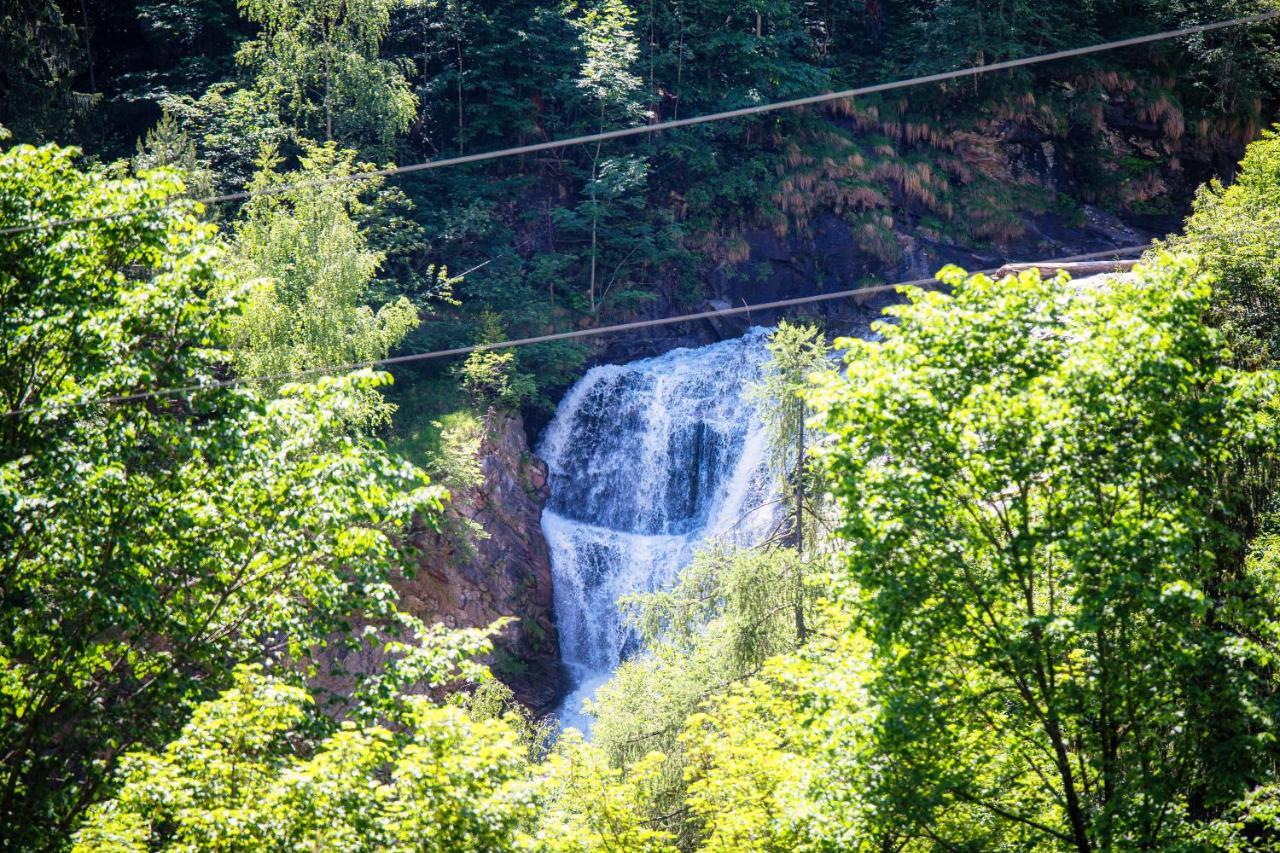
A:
{"points": [[673, 124], [577, 334]]}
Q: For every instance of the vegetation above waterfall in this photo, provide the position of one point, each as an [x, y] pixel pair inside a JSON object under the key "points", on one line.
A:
{"points": [[246, 93], [1021, 593]]}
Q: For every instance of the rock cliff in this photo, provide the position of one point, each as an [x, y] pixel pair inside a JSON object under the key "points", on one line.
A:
{"points": [[499, 566], [828, 251], [488, 560]]}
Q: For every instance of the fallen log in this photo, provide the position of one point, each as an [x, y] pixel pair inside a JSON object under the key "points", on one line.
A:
{"points": [[1075, 270]]}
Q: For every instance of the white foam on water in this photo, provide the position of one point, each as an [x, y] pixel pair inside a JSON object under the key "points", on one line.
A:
{"points": [[647, 462]]}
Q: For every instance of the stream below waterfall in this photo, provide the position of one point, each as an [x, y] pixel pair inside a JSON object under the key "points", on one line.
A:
{"points": [[648, 461]]}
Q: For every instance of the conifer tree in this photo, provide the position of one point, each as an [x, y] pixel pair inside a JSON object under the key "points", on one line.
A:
{"points": [[796, 351]]}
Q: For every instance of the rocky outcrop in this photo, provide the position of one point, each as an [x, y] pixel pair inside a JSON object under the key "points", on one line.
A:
{"points": [[498, 567], [487, 560]]}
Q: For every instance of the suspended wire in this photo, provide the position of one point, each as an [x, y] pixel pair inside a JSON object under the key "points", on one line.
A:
{"points": [[603, 136], [577, 334], [459, 276], [673, 124]]}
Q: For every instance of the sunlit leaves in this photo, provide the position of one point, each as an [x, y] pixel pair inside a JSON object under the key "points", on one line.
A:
{"points": [[1236, 232], [317, 63], [148, 545], [310, 271], [1032, 474], [244, 775]]}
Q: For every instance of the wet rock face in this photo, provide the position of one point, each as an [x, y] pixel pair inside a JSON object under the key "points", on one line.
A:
{"points": [[500, 567]]}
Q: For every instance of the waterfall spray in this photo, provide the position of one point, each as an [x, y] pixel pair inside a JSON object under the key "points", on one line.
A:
{"points": [[647, 462]]}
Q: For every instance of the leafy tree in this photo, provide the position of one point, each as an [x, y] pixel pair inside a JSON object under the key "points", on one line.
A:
{"points": [[1228, 74], [588, 805], [486, 74], [554, 366], [455, 462], [493, 700], [1250, 826], [147, 545], [620, 239], [974, 32], [231, 127], [234, 779], [154, 51], [317, 63], [713, 54], [1069, 651], [188, 24], [259, 768], [730, 612], [783, 761], [491, 380], [612, 88], [311, 269], [607, 77], [1235, 230]]}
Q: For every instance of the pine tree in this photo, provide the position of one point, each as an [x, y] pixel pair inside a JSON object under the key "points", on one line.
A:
{"points": [[796, 351]]}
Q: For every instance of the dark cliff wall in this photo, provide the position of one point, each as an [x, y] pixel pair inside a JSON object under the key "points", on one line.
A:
{"points": [[487, 561]]}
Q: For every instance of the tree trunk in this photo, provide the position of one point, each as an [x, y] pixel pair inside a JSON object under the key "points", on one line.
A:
{"points": [[675, 108], [655, 104], [802, 632], [462, 125], [1075, 812], [88, 48], [328, 80], [595, 218], [328, 96], [426, 55]]}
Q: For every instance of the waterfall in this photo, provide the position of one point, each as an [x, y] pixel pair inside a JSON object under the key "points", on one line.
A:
{"points": [[648, 461]]}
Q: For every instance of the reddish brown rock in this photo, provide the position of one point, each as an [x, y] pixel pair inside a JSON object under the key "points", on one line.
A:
{"points": [[470, 579]]}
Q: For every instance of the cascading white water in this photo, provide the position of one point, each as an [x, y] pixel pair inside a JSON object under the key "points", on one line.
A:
{"points": [[648, 461]]}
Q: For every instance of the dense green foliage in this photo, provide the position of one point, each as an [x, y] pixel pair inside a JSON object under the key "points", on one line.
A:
{"points": [[1048, 618], [1044, 630], [614, 229], [233, 780], [783, 761], [729, 613], [1235, 230], [147, 545], [1034, 475], [317, 65], [310, 272]]}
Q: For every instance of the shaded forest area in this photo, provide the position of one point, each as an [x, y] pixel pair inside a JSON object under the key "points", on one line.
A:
{"points": [[647, 226]]}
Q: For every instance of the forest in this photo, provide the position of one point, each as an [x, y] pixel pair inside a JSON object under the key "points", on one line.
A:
{"points": [[1018, 583]]}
